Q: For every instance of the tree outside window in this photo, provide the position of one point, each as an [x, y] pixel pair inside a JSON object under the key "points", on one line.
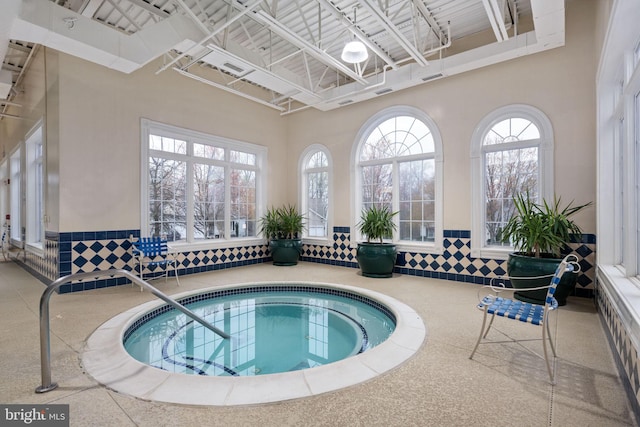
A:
{"points": [[511, 153], [510, 169], [200, 189], [398, 169], [315, 195]]}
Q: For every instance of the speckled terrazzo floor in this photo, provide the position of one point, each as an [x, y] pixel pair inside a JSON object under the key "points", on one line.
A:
{"points": [[503, 386]]}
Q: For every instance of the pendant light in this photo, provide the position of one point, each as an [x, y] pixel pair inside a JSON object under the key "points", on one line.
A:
{"points": [[354, 51]]}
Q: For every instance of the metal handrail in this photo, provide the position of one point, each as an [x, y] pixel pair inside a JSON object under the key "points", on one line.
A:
{"points": [[45, 345]]}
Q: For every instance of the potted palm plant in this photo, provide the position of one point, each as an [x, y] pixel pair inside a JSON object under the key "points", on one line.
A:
{"points": [[375, 257], [539, 233], [283, 228]]}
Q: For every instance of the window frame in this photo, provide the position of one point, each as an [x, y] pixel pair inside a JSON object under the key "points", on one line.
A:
{"points": [[303, 193], [435, 247], [478, 168], [617, 83], [149, 127], [4, 191], [15, 196], [34, 183]]}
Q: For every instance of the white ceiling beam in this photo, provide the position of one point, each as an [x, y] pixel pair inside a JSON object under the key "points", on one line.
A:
{"points": [[193, 16], [90, 7], [211, 34], [124, 15], [428, 16], [312, 50], [150, 8], [382, 19], [492, 20], [499, 13], [496, 19]]}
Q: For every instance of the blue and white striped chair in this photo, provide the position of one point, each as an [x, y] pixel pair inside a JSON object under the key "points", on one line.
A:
{"points": [[152, 254], [534, 314]]}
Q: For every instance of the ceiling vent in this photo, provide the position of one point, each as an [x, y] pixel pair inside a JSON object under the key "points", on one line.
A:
{"points": [[348, 101], [435, 76], [233, 67], [383, 91]]}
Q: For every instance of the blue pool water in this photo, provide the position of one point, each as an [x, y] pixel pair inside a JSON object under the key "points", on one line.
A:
{"points": [[273, 329]]}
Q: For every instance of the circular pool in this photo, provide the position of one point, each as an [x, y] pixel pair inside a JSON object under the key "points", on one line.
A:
{"points": [[271, 329], [287, 340]]}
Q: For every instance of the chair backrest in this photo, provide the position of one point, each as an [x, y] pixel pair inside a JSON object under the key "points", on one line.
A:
{"points": [[151, 246], [568, 264]]}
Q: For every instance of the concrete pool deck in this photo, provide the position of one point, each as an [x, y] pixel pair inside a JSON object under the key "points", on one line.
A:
{"points": [[503, 385]]}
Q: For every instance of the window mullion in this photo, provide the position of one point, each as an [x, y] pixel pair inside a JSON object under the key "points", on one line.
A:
{"points": [[190, 215], [228, 201], [395, 199]]}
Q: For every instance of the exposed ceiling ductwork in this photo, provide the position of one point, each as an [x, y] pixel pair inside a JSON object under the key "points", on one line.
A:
{"points": [[287, 49]]}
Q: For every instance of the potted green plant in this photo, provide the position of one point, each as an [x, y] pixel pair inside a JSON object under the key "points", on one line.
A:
{"points": [[283, 228], [375, 257], [539, 233]]}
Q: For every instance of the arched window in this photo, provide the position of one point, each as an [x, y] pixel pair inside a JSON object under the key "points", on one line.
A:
{"points": [[398, 163], [315, 169], [512, 153]]}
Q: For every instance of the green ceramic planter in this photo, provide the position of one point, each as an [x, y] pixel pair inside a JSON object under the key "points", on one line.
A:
{"points": [[285, 251], [376, 259], [520, 266]]}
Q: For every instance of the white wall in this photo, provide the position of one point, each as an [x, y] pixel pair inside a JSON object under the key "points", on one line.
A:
{"points": [[100, 113]]}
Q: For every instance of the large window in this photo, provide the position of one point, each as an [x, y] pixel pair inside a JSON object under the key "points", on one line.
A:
{"points": [[398, 162], [15, 197], [199, 188], [34, 232], [512, 153], [4, 191], [618, 202], [315, 168]]}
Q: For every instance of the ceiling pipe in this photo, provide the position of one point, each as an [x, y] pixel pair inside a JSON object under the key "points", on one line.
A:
{"points": [[395, 33], [346, 95], [442, 47]]}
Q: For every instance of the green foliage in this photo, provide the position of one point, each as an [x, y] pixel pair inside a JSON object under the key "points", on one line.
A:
{"points": [[377, 223], [284, 222], [536, 229]]}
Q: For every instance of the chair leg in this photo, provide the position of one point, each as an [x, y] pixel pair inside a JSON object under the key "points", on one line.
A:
{"points": [[175, 271], [553, 347], [483, 333], [545, 331], [493, 316], [140, 272]]}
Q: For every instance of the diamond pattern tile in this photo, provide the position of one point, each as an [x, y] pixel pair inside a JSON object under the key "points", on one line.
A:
{"points": [[67, 253]]}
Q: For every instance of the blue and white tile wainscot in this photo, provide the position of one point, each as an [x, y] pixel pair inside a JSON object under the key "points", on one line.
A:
{"points": [[78, 252], [97, 251], [455, 263]]}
